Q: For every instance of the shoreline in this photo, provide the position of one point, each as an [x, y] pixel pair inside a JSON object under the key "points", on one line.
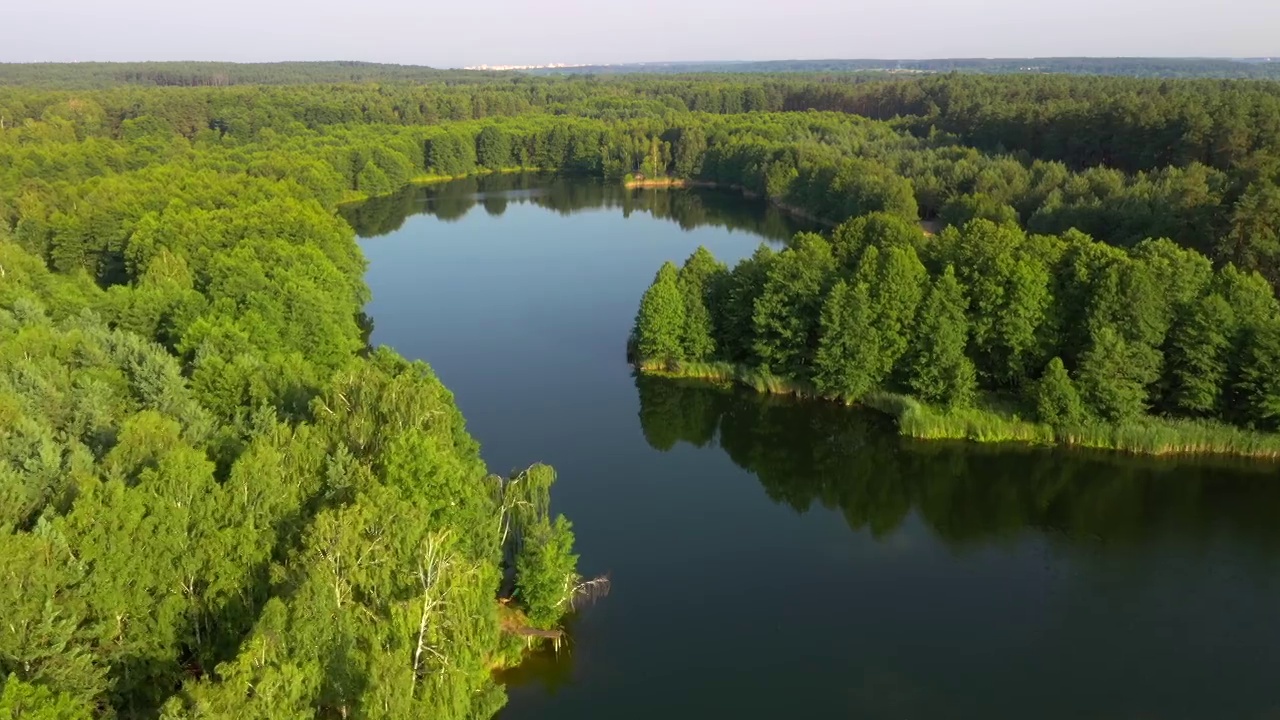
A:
{"points": [[355, 197], [681, 183], [1152, 436]]}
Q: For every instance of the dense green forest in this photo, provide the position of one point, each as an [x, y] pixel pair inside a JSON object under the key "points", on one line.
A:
{"points": [[1119, 159], [217, 500], [1145, 349]]}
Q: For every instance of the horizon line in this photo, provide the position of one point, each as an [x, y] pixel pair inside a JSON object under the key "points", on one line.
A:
{"points": [[568, 65]]}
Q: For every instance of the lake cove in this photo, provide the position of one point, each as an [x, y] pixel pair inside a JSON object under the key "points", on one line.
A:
{"points": [[779, 558]]}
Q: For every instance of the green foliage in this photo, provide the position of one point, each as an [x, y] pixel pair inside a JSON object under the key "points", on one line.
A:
{"points": [[846, 362], [699, 275], [1114, 374], [734, 305], [21, 701], [961, 210], [1260, 376], [785, 317], [215, 503], [938, 369], [451, 153], [1136, 326], [1057, 401], [689, 148], [493, 148], [1197, 357], [208, 484], [865, 187], [373, 181], [1009, 291], [545, 577], [659, 332], [897, 281], [879, 230], [1254, 238]]}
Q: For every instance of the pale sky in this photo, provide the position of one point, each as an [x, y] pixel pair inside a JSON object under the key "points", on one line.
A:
{"points": [[471, 32]]}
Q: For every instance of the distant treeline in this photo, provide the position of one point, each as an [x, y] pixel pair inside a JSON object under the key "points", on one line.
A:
{"points": [[221, 74], [1248, 68], [1196, 162]]}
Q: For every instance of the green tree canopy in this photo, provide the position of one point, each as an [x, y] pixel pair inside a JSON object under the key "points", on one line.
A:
{"points": [[938, 370], [660, 324]]}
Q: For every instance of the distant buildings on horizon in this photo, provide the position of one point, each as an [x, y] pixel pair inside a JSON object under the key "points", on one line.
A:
{"points": [[550, 66], [890, 65]]}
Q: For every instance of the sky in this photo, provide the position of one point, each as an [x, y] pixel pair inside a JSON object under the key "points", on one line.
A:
{"points": [[463, 33]]}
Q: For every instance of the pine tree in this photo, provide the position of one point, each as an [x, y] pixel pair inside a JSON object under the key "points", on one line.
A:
{"points": [[878, 229], [786, 317], [1253, 241], [1057, 401], [701, 271], [659, 328], [493, 148], [1114, 373], [545, 574], [690, 147], [1197, 358], [1009, 292], [897, 281], [733, 306], [938, 370], [847, 360], [1259, 383], [696, 342]]}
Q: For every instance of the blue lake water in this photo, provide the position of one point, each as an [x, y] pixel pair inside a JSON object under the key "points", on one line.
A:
{"points": [[775, 558]]}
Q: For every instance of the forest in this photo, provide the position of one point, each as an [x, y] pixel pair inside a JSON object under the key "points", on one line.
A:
{"points": [[966, 333], [217, 500]]}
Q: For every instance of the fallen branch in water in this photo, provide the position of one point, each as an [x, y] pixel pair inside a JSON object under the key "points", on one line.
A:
{"points": [[589, 591]]}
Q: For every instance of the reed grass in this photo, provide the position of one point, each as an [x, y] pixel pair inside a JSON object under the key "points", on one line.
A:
{"points": [[432, 178], [988, 423], [729, 373], [994, 420]]}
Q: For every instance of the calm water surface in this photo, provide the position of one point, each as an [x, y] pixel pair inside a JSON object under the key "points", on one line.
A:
{"points": [[772, 558]]}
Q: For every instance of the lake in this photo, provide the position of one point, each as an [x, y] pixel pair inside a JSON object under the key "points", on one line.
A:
{"points": [[778, 558]]}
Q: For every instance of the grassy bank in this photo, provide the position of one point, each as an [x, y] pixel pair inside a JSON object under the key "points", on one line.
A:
{"points": [[671, 182], [991, 421], [352, 197], [432, 179], [1148, 436], [725, 374], [631, 182]]}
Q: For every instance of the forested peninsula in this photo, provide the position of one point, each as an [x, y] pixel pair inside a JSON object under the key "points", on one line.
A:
{"points": [[218, 501]]}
